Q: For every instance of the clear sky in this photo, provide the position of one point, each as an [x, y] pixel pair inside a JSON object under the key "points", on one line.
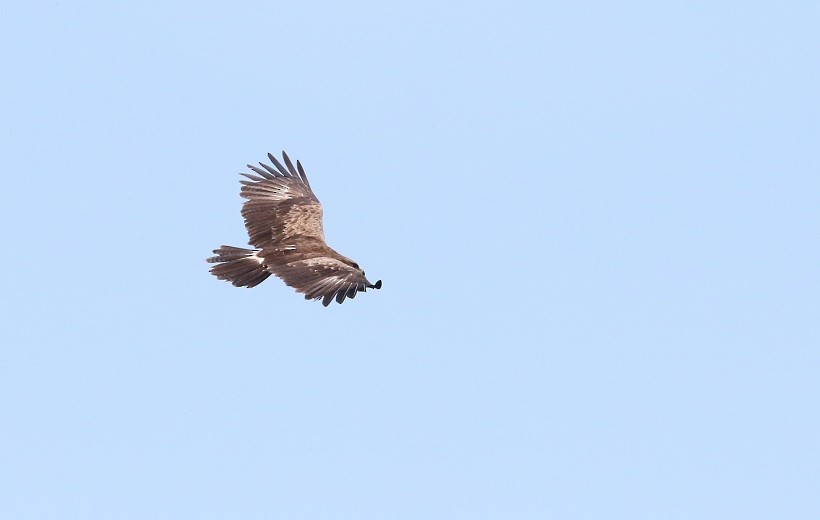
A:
{"points": [[597, 223]]}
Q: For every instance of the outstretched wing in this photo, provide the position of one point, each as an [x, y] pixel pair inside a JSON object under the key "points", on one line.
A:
{"points": [[280, 204], [323, 277]]}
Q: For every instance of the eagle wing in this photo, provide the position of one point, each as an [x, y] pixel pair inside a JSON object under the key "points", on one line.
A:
{"points": [[323, 277], [281, 205]]}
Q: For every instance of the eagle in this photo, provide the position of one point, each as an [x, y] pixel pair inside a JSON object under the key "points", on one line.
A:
{"points": [[283, 218]]}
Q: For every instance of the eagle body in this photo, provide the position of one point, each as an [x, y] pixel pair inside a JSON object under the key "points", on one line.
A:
{"points": [[283, 218]]}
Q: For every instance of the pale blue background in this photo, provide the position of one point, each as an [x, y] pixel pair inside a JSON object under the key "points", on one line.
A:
{"points": [[597, 225]]}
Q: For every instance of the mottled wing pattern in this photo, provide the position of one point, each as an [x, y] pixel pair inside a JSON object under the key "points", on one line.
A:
{"points": [[324, 278], [284, 222], [280, 204]]}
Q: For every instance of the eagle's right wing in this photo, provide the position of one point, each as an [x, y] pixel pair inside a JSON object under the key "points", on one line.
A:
{"points": [[280, 204], [323, 277]]}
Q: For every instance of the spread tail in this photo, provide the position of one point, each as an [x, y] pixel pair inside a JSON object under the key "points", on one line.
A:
{"points": [[241, 267]]}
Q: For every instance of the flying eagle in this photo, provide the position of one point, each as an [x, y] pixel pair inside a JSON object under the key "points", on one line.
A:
{"points": [[284, 222]]}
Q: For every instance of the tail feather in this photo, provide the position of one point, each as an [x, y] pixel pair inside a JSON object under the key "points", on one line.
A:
{"points": [[241, 267]]}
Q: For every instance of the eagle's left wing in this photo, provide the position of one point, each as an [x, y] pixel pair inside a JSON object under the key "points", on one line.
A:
{"points": [[280, 204]]}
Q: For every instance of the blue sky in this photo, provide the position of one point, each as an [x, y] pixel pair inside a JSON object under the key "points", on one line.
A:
{"points": [[596, 223]]}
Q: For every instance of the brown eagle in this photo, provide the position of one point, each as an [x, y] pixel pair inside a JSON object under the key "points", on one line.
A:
{"points": [[284, 222]]}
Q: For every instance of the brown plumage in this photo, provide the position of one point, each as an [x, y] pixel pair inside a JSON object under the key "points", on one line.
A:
{"points": [[284, 222]]}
